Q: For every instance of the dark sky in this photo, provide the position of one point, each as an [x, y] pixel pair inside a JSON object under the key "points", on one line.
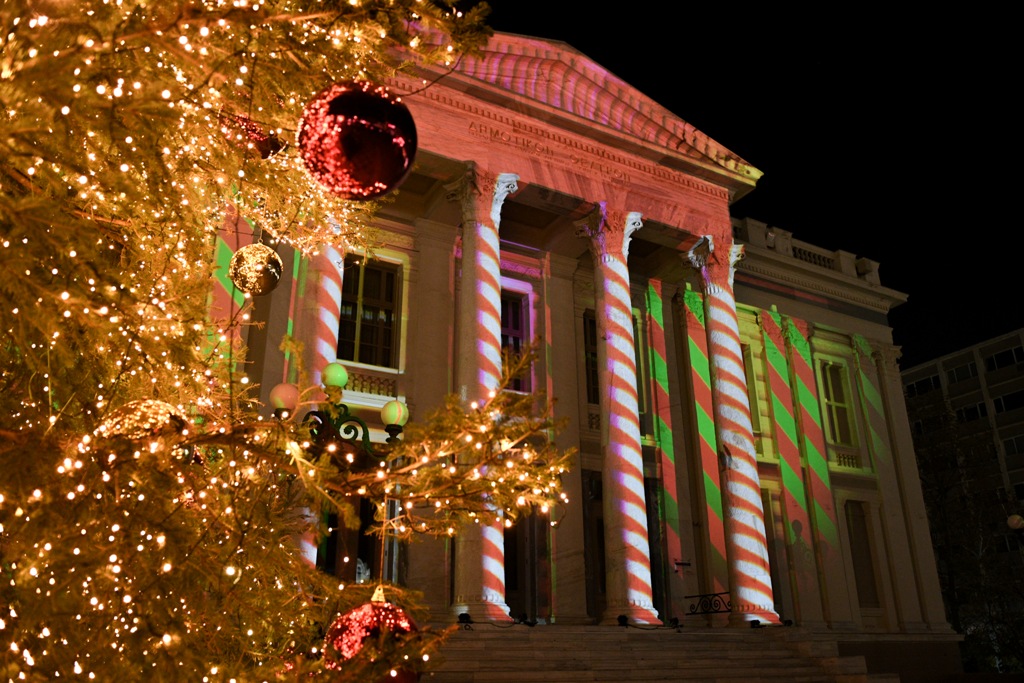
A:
{"points": [[884, 134]]}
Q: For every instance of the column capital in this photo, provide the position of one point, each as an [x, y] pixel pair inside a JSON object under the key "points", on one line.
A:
{"points": [[482, 193], [717, 267], [608, 231]]}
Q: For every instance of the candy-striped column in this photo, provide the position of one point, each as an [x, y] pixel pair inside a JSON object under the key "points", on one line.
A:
{"points": [[717, 570], [815, 456], [750, 582], [329, 266], [317, 307], [799, 541], [480, 548], [627, 550]]}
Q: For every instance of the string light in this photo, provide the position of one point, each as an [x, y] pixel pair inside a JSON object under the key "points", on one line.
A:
{"points": [[147, 526]]}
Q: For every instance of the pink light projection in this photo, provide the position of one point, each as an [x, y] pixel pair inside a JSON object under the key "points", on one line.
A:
{"points": [[559, 77], [480, 550], [317, 303], [328, 266], [746, 542], [627, 548]]}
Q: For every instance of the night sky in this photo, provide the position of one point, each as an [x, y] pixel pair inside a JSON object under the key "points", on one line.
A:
{"points": [[885, 135]]}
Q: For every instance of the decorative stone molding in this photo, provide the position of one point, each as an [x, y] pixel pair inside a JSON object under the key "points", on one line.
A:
{"points": [[882, 301], [608, 232]]}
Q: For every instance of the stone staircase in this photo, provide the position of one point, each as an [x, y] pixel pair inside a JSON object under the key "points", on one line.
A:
{"points": [[487, 653]]}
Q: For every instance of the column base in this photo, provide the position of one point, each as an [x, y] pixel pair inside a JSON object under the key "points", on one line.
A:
{"points": [[634, 614], [745, 615], [482, 610]]}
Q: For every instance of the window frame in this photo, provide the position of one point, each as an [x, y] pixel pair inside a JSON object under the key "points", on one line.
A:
{"points": [[591, 367], [828, 403], [523, 291], [355, 266]]}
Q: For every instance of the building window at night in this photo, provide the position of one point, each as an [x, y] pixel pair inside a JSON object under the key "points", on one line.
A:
{"points": [[837, 404], [514, 332], [1006, 402], [1014, 445], [923, 386], [1004, 359], [972, 412], [368, 322], [962, 372], [590, 357]]}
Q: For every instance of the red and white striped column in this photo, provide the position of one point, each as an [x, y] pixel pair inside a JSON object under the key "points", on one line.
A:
{"points": [[750, 582], [627, 549], [317, 307], [480, 548]]}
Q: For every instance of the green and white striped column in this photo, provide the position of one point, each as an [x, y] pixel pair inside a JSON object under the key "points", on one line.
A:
{"points": [[717, 573]]}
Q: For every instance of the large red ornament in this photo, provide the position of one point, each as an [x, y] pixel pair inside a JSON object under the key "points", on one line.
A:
{"points": [[373, 621], [357, 140]]}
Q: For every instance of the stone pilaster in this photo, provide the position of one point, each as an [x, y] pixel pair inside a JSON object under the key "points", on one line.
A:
{"points": [[886, 359], [569, 582]]}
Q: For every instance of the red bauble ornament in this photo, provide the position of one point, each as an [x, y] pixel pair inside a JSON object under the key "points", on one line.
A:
{"points": [[373, 621], [357, 140]]}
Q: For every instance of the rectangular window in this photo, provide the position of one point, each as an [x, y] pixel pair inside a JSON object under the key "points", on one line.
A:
{"points": [[755, 409], [514, 333], [837, 404], [1011, 401], [1004, 359], [590, 357], [368, 323], [962, 372], [972, 412], [1014, 445], [923, 386]]}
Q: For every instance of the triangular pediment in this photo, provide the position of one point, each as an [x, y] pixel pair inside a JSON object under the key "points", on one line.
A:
{"points": [[556, 79]]}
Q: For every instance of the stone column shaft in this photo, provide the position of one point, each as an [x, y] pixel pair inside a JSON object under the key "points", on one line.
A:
{"points": [[480, 548], [627, 549], [750, 582], [317, 314]]}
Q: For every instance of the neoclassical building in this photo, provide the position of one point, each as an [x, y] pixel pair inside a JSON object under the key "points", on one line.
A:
{"points": [[734, 394]]}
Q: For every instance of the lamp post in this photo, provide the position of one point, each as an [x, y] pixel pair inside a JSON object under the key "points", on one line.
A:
{"points": [[335, 429]]}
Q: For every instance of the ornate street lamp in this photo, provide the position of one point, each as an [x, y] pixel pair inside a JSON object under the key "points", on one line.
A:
{"points": [[336, 430]]}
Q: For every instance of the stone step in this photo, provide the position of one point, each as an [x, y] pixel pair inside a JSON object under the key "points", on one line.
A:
{"points": [[560, 654]]}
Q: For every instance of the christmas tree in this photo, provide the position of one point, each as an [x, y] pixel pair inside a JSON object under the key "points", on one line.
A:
{"points": [[148, 514]]}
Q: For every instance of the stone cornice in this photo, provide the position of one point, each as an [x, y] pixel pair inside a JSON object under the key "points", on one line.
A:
{"points": [[576, 150], [558, 76], [804, 277]]}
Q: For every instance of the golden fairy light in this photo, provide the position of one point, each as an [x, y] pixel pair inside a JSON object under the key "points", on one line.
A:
{"points": [[148, 522]]}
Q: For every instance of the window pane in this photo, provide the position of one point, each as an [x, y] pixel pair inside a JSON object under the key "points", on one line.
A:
{"points": [[513, 330], [836, 406], [590, 357], [367, 331]]}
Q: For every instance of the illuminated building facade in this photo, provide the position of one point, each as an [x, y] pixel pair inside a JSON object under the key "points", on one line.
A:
{"points": [[733, 392]]}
